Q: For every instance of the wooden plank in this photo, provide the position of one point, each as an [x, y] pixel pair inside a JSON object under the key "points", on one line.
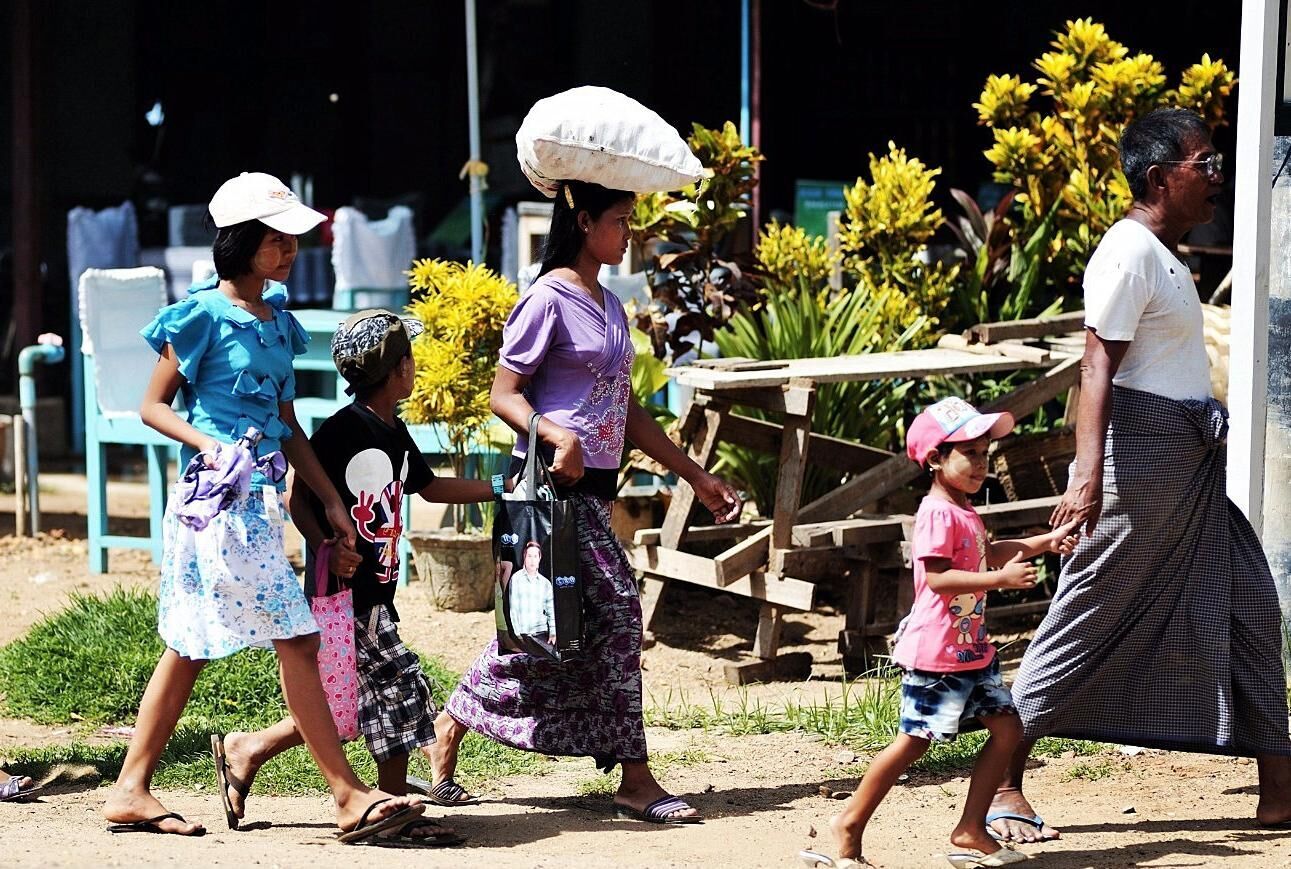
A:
{"points": [[793, 465], [870, 366], [794, 666], [863, 489], [818, 562], [1018, 514], [1038, 327], [785, 591], [1026, 399], [777, 398], [743, 558], [652, 591], [828, 452], [863, 530], [852, 640], [766, 642], [704, 533], [1011, 349], [703, 447]]}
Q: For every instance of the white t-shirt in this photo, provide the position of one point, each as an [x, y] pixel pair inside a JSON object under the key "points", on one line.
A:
{"points": [[1136, 290]]}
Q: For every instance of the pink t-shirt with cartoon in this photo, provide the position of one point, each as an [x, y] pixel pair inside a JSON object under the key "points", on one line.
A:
{"points": [[946, 632]]}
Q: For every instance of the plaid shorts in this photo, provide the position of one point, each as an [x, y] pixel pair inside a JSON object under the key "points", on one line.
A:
{"points": [[396, 712], [939, 706]]}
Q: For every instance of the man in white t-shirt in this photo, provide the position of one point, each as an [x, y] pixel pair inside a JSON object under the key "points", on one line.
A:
{"points": [[1107, 663]]}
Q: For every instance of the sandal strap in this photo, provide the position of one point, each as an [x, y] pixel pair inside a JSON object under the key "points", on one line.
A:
{"points": [[665, 806], [363, 818]]}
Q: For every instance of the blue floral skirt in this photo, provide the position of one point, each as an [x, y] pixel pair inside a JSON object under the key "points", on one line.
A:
{"points": [[229, 586]]}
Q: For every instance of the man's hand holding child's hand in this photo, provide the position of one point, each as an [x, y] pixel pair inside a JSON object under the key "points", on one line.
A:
{"points": [[1064, 538]]}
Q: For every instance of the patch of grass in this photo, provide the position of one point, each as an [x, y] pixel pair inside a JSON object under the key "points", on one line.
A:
{"points": [[864, 716], [603, 785], [90, 662], [1093, 770]]}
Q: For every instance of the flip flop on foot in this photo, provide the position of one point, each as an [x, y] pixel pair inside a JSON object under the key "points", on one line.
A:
{"points": [[814, 859], [364, 830], [12, 790], [661, 811], [153, 825], [225, 780], [447, 793], [1031, 821], [976, 859]]}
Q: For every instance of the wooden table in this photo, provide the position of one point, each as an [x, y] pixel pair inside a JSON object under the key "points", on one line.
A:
{"points": [[778, 561]]}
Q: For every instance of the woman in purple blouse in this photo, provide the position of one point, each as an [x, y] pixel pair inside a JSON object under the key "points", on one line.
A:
{"points": [[567, 354]]}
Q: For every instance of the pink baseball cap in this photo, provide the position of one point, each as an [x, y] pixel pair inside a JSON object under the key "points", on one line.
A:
{"points": [[952, 421]]}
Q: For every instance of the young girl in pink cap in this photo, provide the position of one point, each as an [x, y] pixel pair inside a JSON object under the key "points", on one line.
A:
{"points": [[951, 680]]}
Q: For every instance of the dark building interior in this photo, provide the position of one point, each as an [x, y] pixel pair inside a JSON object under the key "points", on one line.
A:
{"points": [[369, 100]]}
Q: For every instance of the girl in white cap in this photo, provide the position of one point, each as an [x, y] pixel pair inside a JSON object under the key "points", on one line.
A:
{"points": [[229, 348]]}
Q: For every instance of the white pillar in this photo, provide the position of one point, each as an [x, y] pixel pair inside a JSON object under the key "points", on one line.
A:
{"points": [[1248, 343]]}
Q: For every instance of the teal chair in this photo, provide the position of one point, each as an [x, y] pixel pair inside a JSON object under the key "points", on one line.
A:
{"points": [[114, 305]]}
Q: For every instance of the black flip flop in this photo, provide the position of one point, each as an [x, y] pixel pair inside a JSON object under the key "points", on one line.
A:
{"points": [[407, 838], [452, 795], [363, 830], [225, 780], [658, 812], [151, 825]]}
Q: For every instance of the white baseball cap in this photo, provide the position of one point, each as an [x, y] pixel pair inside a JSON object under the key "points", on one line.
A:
{"points": [[262, 197]]}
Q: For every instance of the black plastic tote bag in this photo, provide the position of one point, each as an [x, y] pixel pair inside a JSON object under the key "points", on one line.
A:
{"points": [[538, 588]]}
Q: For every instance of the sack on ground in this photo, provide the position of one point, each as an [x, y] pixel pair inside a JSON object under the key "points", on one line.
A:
{"points": [[600, 136], [538, 587]]}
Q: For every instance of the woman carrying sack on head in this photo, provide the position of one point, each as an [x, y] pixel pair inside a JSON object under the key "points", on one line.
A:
{"points": [[567, 355]]}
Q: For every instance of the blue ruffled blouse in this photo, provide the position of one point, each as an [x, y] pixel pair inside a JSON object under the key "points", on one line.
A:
{"points": [[236, 367]]}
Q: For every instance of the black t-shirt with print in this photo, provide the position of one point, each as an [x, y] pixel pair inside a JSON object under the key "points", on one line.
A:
{"points": [[372, 465]]}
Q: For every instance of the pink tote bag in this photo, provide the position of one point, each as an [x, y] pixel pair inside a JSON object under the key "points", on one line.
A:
{"points": [[337, 666]]}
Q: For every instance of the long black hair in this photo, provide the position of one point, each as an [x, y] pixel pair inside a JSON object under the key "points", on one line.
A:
{"points": [[565, 239]]}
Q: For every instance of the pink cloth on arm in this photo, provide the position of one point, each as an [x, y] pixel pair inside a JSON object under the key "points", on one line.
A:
{"points": [[945, 632], [580, 360]]}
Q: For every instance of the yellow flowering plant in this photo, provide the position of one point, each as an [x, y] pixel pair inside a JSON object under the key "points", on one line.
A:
{"points": [[1062, 159], [463, 309]]}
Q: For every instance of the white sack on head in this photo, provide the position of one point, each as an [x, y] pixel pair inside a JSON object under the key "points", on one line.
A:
{"points": [[600, 136]]}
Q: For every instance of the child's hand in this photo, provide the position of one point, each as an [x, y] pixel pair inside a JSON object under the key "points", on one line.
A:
{"points": [[1063, 540], [1017, 573], [343, 560]]}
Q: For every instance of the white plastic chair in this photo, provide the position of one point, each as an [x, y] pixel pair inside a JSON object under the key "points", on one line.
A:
{"points": [[106, 239], [370, 258], [114, 305]]}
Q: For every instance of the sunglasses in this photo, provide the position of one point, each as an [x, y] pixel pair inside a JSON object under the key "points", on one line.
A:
{"points": [[1213, 164]]}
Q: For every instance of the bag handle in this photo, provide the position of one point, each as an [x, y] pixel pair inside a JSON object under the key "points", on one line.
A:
{"points": [[322, 573], [533, 462]]}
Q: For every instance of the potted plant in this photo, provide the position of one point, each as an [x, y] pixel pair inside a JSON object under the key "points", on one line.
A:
{"points": [[463, 309]]}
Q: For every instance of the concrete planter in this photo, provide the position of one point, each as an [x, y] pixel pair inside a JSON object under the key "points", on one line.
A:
{"points": [[458, 568]]}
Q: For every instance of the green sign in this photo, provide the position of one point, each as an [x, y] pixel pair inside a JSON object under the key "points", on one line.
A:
{"points": [[813, 200]]}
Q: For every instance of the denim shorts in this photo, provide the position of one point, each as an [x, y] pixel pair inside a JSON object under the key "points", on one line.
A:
{"points": [[938, 706]]}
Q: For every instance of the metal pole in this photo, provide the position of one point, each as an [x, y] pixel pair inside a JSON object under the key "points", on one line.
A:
{"points": [[745, 75], [19, 475], [473, 113], [1249, 339]]}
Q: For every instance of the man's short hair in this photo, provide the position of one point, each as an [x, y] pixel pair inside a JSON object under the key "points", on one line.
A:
{"points": [[1155, 138]]}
